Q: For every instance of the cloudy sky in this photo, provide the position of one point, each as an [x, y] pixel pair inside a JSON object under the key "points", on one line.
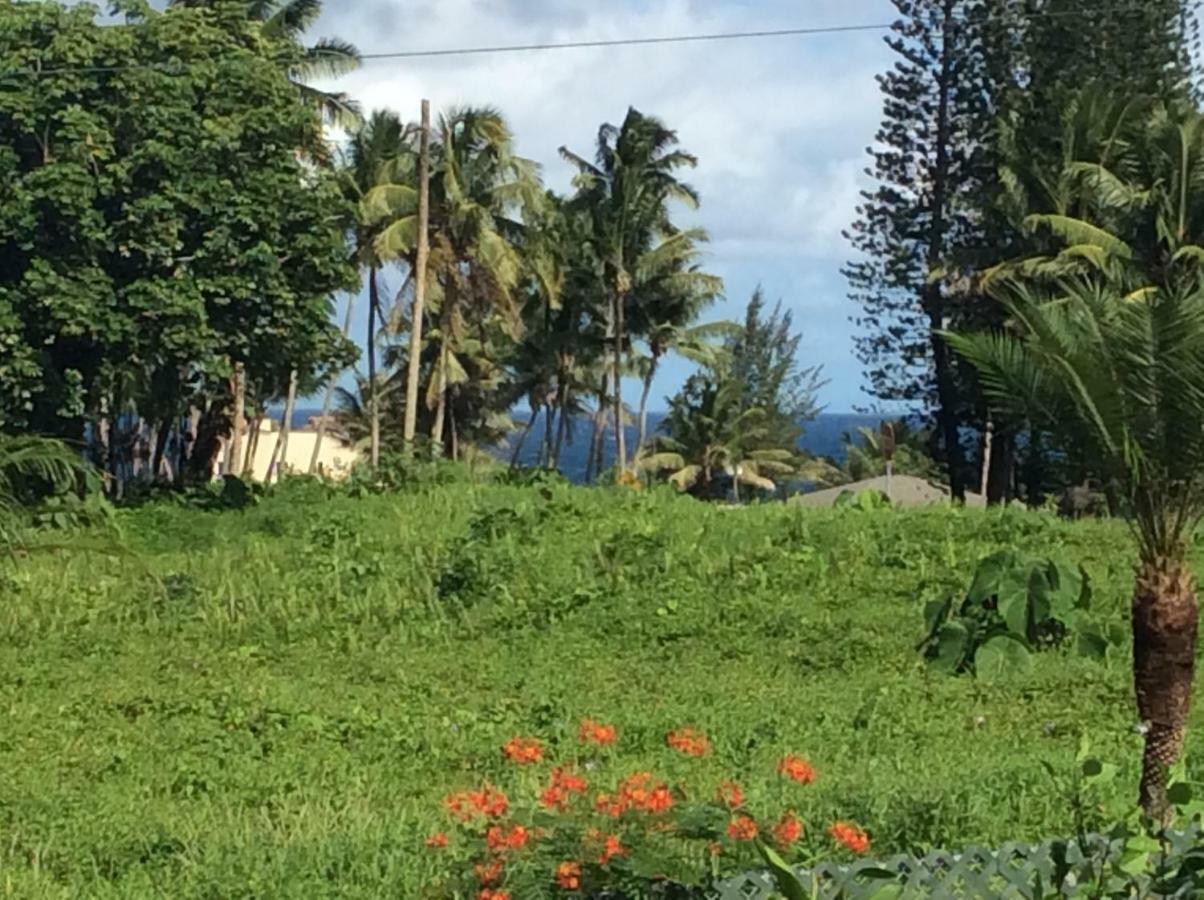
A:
{"points": [[780, 125]]}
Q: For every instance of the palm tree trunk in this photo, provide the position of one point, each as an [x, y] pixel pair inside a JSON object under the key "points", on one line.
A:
{"points": [[441, 405], [248, 460], [329, 398], [549, 426], [594, 465], [563, 424], [280, 451], [620, 437], [1165, 619], [373, 405], [522, 439], [420, 266], [643, 432]]}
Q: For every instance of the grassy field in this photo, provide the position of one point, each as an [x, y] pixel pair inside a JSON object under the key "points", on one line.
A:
{"points": [[272, 702]]}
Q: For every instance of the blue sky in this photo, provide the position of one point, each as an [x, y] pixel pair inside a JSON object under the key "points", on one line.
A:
{"points": [[780, 125]]}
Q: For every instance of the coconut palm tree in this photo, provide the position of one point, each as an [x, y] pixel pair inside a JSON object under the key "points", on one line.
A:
{"points": [[626, 192], [708, 433], [30, 468], [478, 187], [287, 21], [1116, 352]]}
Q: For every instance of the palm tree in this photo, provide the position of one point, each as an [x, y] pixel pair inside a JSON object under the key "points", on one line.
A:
{"points": [[696, 343], [478, 185], [626, 191], [287, 21], [376, 151], [1115, 351], [709, 433], [30, 468]]}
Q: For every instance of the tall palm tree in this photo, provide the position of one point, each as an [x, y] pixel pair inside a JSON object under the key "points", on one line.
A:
{"points": [[478, 188], [376, 151], [287, 21], [1113, 346], [626, 191]]}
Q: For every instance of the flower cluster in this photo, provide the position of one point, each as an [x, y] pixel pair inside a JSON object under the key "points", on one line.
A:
{"points": [[464, 806], [796, 769], [592, 732], [564, 835], [850, 836], [563, 787], [638, 793], [524, 751], [689, 741]]}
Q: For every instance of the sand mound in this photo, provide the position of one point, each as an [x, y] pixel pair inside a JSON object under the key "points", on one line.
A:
{"points": [[905, 490]]}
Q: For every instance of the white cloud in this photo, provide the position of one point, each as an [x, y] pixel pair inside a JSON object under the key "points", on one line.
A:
{"points": [[779, 124]]}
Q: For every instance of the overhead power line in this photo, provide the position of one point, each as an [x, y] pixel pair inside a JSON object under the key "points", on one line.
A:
{"points": [[1085, 14]]}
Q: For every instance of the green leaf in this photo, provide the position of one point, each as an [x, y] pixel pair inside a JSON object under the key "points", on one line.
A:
{"points": [[989, 574], [1092, 767], [936, 613], [1179, 793], [1014, 601], [1092, 645], [787, 881], [1002, 658], [952, 641]]}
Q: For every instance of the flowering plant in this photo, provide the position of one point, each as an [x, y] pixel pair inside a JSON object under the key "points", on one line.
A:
{"points": [[584, 825]]}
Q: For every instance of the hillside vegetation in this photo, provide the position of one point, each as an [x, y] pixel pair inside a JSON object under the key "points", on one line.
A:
{"points": [[273, 701]]}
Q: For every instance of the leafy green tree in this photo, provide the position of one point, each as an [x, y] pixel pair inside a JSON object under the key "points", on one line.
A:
{"points": [[143, 273], [1113, 355], [626, 192], [288, 21], [762, 358]]}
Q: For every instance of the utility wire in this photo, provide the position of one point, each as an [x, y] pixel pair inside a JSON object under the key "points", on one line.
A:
{"points": [[177, 68]]}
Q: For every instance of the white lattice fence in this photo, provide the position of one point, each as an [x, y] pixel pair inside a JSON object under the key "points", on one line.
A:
{"points": [[1010, 871]]}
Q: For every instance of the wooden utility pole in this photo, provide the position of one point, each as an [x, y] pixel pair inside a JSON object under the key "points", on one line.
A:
{"points": [[373, 387], [420, 265]]}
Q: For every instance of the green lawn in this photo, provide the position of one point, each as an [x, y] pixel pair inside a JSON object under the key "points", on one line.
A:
{"points": [[272, 702]]}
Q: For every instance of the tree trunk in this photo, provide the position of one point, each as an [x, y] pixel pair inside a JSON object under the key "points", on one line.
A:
{"points": [[1165, 617], [1002, 468], [255, 428], [238, 421], [643, 432], [549, 427], [617, 377], [522, 440], [162, 436], [596, 457], [373, 392], [934, 302], [280, 451], [329, 398], [420, 266], [441, 402], [563, 424]]}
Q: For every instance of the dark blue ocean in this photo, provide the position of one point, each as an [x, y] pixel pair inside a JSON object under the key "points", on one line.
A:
{"points": [[821, 437]]}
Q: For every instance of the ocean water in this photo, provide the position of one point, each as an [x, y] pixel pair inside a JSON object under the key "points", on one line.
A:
{"points": [[821, 437]]}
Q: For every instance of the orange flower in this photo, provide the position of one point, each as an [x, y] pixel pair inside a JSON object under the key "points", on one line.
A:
{"points": [[715, 847], [564, 784], [592, 732], [796, 769], [689, 741], [464, 806], [730, 795], [659, 801], [487, 894], [742, 828], [850, 836], [609, 844], [489, 875], [523, 751], [437, 841], [788, 829], [568, 876], [608, 806], [498, 839]]}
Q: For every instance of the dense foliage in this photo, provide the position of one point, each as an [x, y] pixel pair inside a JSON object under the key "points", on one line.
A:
{"points": [[161, 238], [281, 699]]}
